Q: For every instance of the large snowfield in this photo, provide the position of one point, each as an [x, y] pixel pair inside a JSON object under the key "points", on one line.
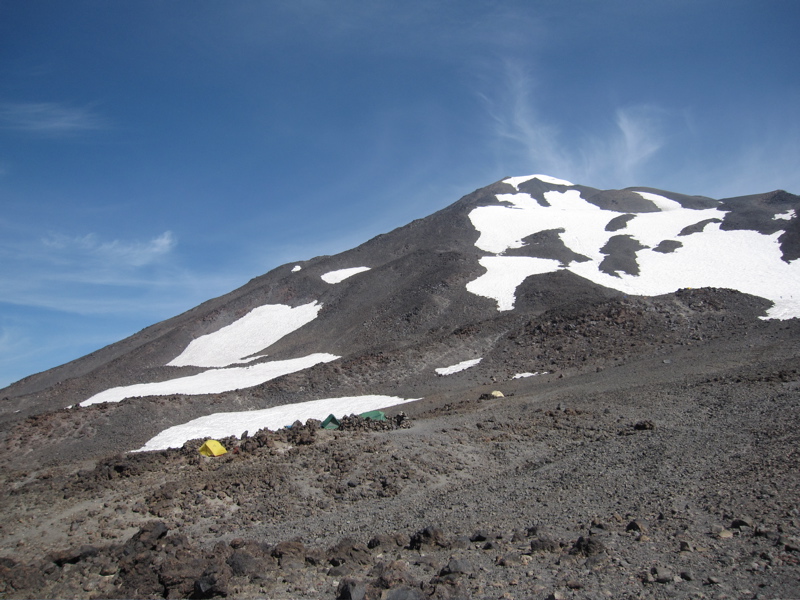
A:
{"points": [[213, 381], [710, 257], [742, 260], [258, 329]]}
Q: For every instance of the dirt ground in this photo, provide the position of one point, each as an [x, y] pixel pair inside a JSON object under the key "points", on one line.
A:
{"points": [[650, 462]]}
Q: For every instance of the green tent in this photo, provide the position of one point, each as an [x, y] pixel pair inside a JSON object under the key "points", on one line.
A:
{"points": [[331, 423], [374, 415]]}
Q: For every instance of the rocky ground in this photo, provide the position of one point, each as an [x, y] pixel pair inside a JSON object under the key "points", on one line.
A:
{"points": [[658, 458]]}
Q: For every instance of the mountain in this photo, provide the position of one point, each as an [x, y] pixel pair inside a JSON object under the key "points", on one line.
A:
{"points": [[635, 335]]}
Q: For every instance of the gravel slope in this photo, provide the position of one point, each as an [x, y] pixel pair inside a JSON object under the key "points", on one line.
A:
{"points": [[668, 468]]}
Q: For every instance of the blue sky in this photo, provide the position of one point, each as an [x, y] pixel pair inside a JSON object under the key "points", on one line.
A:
{"points": [[157, 154]]}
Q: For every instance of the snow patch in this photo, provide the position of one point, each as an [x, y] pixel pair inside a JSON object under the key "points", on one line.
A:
{"points": [[504, 274], [220, 425], [342, 274], [743, 260], [661, 202], [787, 216], [502, 228], [213, 381], [739, 259], [296, 268], [258, 329], [459, 367], [516, 181], [523, 375], [523, 201]]}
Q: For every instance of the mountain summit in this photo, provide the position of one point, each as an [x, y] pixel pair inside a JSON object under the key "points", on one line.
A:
{"points": [[500, 319]]}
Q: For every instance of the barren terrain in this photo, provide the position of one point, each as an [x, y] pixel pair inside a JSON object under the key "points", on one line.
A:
{"points": [[659, 457]]}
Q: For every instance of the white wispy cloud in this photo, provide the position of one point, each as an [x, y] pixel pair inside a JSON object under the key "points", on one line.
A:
{"points": [[515, 119], [640, 143], [15, 349], [89, 275], [640, 128], [615, 156], [114, 253], [49, 118], [10, 342]]}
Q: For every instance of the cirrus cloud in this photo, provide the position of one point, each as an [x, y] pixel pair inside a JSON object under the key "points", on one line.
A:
{"points": [[115, 253], [89, 275], [604, 157], [49, 118]]}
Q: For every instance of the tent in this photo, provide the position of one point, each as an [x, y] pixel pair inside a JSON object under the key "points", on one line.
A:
{"points": [[374, 415], [331, 423], [212, 448]]}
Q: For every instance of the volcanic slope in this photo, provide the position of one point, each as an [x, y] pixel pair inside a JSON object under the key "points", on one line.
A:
{"points": [[646, 344], [380, 319]]}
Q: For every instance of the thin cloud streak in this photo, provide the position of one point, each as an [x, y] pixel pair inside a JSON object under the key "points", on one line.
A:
{"points": [[640, 127], [49, 118], [163, 295], [642, 144], [515, 120], [85, 275], [617, 157], [10, 342], [116, 253], [94, 305]]}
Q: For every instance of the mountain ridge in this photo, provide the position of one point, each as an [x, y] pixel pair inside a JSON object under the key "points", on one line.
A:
{"points": [[568, 416], [445, 242]]}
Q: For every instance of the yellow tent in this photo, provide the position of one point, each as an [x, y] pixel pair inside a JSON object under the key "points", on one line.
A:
{"points": [[212, 448]]}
